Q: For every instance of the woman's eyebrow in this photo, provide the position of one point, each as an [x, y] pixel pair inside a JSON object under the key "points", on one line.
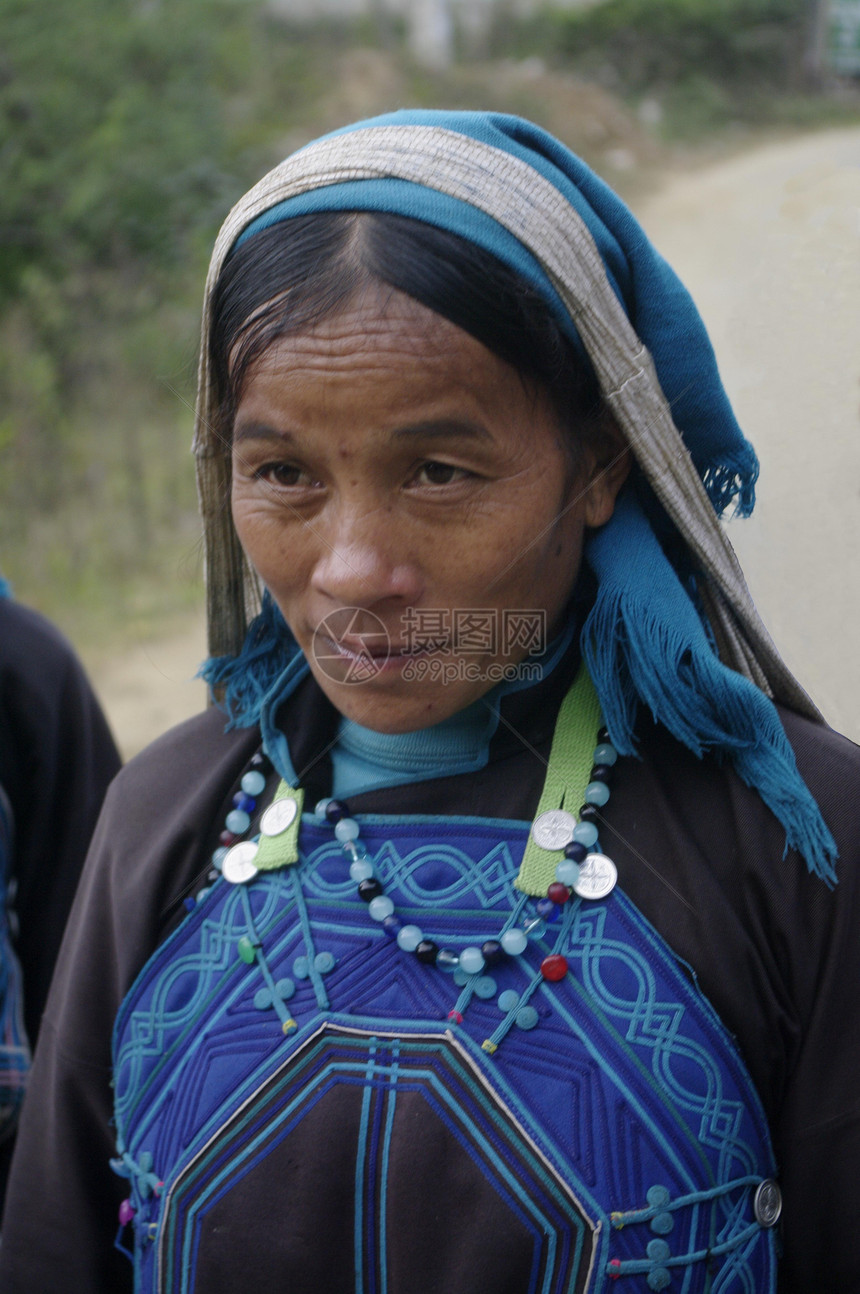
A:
{"points": [[444, 429], [432, 429], [254, 430]]}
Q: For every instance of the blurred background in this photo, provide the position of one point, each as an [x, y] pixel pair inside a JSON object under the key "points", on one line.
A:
{"points": [[127, 130]]}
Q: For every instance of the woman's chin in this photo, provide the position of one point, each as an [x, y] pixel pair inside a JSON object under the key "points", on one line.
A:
{"points": [[390, 698]]}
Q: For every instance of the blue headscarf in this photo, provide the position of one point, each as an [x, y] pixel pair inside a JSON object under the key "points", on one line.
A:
{"points": [[646, 639]]}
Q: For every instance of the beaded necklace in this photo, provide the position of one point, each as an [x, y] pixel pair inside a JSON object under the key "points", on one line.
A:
{"points": [[562, 861]]}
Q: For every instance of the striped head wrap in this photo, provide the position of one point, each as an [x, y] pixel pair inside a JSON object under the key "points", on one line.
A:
{"points": [[688, 644]]}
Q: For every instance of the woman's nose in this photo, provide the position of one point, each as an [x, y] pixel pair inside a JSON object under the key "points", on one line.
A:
{"points": [[363, 561]]}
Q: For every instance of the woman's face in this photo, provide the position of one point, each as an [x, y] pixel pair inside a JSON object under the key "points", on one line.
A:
{"points": [[410, 506]]}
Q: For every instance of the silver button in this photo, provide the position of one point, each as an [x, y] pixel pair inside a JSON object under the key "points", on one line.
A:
{"points": [[767, 1203], [278, 817], [238, 866], [553, 829], [597, 877]]}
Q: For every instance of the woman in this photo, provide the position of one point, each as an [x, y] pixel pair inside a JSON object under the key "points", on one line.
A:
{"points": [[383, 1018]]}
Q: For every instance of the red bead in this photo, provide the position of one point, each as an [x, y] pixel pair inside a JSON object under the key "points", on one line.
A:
{"points": [[613, 1269], [227, 838], [558, 892], [554, 967], [455, 1017]]}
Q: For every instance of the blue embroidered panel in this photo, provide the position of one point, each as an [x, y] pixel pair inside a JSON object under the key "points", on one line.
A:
{"points": [[614, 1134]]}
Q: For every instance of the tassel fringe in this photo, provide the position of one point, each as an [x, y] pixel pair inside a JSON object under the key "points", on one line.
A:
{"points": [[239, 683], [642, 648]]}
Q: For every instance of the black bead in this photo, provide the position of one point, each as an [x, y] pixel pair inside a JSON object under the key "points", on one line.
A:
{"points": [[493, 951], [369, 889], [427, 952], [335, 810], [603, 737], [601, 773], [576, 851], [589, 813]]}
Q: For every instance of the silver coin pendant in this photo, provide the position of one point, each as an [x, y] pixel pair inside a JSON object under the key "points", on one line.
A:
{"points": [[238, 866], [597, 877], [553, 829], [278, 817]]}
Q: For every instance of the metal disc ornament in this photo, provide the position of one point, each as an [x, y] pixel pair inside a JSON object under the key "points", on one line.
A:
{"points": [[278, 817], [597, 877], [553, 829], [238, 866]]}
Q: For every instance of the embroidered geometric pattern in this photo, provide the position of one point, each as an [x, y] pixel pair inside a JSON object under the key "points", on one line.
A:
{"points": [[628, 1090], [391, 1081]]}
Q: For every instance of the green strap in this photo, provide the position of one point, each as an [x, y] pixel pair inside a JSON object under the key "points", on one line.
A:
{"points": [[283, 849], [570, 762]]}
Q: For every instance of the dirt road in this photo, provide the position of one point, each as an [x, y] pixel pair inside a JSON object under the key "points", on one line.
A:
{"points": [[769, 245]]}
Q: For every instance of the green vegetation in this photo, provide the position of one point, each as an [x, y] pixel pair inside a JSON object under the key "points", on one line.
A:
{"points": [[708, 65], [127, 129]]}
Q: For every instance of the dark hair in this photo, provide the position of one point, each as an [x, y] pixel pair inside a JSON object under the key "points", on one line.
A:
{"points": [[300, 271]]}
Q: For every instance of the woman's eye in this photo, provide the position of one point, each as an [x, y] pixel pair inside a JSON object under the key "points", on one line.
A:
{"points": [[433, 473], [284, 474]]}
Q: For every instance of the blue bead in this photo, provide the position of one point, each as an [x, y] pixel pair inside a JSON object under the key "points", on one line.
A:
{"points": [[514, 941], [485, 986], [527, 1017], [409, 938], [189, 904], [237, 821], [246, 802], [567, 872], [346, 829], [597, 793], [546, 909], [605, 754], [262, 999], [575, 852], [253, 782], [335, 810], [508, 1000], [585, 833], [380, 908], [391, 925], [285, 988], [472, 961], [448, 961], [323, 963], [218, 857], [461, 979], [659, 1278], [361, 870], [321, 806], [301, 968]]}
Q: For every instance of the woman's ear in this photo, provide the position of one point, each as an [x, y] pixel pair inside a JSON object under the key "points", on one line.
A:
{"points": [[607, 460]]}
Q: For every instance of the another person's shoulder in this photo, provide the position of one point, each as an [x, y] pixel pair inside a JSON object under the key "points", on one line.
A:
{"points": [[29, 639]]}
